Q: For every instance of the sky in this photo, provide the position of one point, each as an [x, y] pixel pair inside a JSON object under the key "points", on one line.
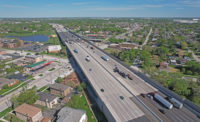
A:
{"points": [[99, 8]]}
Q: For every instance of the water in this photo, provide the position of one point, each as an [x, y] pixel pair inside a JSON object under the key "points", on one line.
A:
{"points": [[39, 38]]}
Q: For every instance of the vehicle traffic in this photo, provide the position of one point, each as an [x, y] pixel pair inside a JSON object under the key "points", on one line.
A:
{"points": [[87, 59], [176, 103], [76, 51], [163, 101], [104, 58]]}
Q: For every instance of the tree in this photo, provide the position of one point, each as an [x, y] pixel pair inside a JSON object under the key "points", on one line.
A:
{"points": [[83, 85], [5, 86], [26, 96], [58, 80], [184, 45]]}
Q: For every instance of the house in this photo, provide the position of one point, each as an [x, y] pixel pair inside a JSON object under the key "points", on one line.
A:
{"points": [[9, 45], [127, 46], [59, 89], [33, 58], [28, 113], [46, 99], [46, 119], [68, 114], [163, 66], [54, 48], [9, 82], [2, 51]]}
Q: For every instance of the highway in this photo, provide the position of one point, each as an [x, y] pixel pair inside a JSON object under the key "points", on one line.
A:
{"points": [[101, 76]]}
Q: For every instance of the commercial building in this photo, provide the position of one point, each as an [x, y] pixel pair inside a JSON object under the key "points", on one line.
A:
{"points": [[54, 48], [68, 114], [59, 89], [28, 113], [46, 99], [33, 58]]}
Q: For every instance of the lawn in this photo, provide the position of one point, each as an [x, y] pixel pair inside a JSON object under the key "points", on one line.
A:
{"points": [[51, 69], [43, 88], [78, 102], [4, 112], [14, 87], [12, 118]]}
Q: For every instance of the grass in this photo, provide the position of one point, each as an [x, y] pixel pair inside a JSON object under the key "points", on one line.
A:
{"points": [[51, 69], [12, 118], [41, 75], [4, 112], [43, 88], [78, 102], [2, 91]]}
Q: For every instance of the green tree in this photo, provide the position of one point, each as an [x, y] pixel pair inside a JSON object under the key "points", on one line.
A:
{"points": [[183, 45], [58, 80], [28, 96]]}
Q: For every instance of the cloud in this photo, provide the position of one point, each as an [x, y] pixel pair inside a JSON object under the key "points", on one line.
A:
{"points": [[125, 8], [191, 3], [13, 6]]}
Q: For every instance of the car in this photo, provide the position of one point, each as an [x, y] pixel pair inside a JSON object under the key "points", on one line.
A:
{"points": [[87, 59], [121, 97], [116, 69], [102, 90], [76, 51], [143, 95], [129, 76], [150, 96], [162, 111], [122, 74]]}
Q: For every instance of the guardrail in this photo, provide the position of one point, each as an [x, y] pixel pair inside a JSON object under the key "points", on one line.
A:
{"points": [[187, 103]]}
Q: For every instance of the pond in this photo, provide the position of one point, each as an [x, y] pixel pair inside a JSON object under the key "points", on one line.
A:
{"points": [[38, 38]]}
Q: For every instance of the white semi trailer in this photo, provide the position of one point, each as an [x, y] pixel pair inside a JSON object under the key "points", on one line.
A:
{"points": [[176, 103], [163, 101]]}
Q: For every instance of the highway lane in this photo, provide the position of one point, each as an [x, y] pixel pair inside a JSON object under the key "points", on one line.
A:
{"points": [[121, 80], [137, 85], [125, 109]]}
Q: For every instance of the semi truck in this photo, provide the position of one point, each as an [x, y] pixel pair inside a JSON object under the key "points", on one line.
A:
{"points": [[176, 103], [163, 101]]}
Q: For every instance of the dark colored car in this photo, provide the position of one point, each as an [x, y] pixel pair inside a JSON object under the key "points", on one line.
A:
{"points": [[129, 76], [122, 74], [143, 95], [162, 111], [116, 69]]}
